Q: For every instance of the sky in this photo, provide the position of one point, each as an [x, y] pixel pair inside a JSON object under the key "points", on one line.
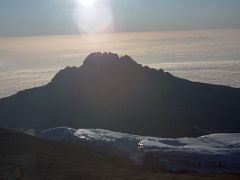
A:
{"points": [[52, 17]]}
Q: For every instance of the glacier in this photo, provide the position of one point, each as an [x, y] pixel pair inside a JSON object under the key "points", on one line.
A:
{"points": [[214, 153]]}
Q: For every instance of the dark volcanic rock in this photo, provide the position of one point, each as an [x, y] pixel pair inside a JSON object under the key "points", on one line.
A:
{"points": [[116, 93]]}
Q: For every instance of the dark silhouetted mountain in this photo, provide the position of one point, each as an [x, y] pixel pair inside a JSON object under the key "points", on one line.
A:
{"points": [[116, 93]]}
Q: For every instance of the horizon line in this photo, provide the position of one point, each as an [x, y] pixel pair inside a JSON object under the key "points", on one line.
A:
{"points": [[115, 32]]}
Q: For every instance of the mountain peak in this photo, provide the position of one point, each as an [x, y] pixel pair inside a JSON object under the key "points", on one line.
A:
{"points": [[106, 62], [99, 58]]}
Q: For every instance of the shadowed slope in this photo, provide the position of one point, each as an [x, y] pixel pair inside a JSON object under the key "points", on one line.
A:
{"points": [[116, 93], [43, 159]]}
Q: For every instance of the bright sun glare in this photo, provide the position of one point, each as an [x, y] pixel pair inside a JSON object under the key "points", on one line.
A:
{"points": [[93, 16], [87, 3]]}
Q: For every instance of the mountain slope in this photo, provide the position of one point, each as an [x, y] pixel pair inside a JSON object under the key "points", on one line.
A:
{"points": [[116, 93], [43, 159]]}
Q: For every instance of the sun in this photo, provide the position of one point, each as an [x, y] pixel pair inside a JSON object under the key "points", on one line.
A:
{"points": [[93, 16], [86, 3]]}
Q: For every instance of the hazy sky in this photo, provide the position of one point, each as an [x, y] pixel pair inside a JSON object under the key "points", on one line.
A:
{"points": [[44, 17]]}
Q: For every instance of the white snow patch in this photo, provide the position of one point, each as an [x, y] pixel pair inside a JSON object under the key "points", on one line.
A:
{"points": [[210, 153]]}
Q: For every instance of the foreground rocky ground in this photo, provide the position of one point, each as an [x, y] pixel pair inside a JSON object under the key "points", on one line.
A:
{"points": [[50, 160]]}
